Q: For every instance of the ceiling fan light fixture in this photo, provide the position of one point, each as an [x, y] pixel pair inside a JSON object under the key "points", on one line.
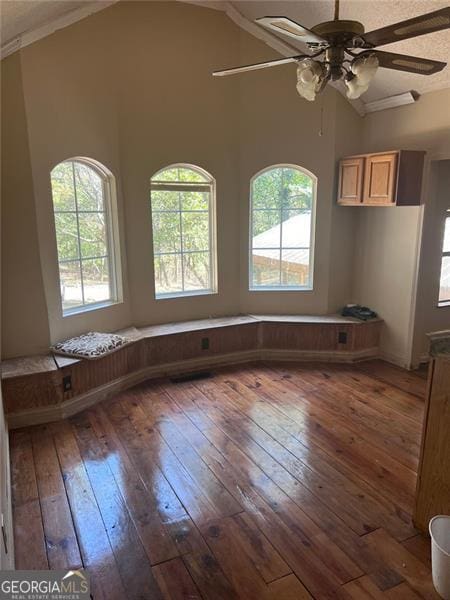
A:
{"points": [[337, 40], [354, 89], [362, 71], [310, 75], [364, 68]]}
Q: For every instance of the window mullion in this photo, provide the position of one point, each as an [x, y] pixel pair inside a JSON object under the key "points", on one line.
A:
{"points": [[181, 241], [78, 233], [279, 177], [109, 234], [281, 227], [212, 267], [206, 271], [85, 258]]}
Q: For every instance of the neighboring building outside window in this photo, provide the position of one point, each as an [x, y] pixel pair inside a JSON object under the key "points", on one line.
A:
{"points": [[444, 286], [282, 214], [86, 234], [183, 223]]}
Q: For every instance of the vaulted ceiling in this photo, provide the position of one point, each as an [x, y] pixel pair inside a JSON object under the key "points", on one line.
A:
{"points": [[373, 14], [32, 19], [20, 16]]}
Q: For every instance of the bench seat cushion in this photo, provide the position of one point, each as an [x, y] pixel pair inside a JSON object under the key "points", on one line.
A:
{"points": [[91, 345]]}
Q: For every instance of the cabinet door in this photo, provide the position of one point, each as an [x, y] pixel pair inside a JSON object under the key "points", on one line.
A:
{"points": [[380, 179], [351, 173]]}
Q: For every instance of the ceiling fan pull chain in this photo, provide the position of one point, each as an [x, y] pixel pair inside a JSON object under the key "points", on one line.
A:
{"points": [[321, 120]]}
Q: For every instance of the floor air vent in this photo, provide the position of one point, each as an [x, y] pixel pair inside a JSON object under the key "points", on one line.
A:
{"points": [[191, 377]]}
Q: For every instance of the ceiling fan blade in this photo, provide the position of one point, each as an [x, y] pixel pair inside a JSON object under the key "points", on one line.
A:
{"points": [[411, 64], [434, 21], [256, 66], [292, 29]]}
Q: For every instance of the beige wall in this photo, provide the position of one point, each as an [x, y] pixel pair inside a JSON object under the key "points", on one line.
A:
{"points": [[429, 317], [388, 240], [70, 87], [123, 88], [385, 267], [348, 140], [277, 126], [172, 110], [24, 312]]}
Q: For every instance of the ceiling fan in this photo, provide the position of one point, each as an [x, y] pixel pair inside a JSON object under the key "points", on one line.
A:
{"points": [[348, 52]]}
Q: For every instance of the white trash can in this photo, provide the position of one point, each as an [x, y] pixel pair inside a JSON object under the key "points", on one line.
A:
{"points": [[440, 554]]}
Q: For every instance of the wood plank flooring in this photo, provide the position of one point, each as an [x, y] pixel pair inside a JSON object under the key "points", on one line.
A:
{"points": [[263, 482]]}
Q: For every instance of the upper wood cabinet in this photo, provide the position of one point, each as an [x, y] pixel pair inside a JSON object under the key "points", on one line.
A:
{"points": [[380, 178], [350, 180], [391, 178]]}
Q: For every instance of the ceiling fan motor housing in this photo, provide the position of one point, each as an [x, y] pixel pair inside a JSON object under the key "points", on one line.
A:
{"points": [[339, 33], [334, 57]]}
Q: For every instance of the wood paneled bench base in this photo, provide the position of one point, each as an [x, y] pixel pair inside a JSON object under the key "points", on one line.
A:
{"points": [[46, 388]]}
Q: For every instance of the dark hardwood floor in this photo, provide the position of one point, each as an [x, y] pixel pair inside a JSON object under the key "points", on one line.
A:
{"points": [[263, 482]]}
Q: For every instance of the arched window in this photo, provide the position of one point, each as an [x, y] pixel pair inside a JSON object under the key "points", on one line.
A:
{"points": [[82, 202], [183, 221], [444, 285], [282, 206]]}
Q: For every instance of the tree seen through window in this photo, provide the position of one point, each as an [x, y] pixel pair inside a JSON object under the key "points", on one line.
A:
{"points": [[182, 213], [282, 205], [82, 234]]}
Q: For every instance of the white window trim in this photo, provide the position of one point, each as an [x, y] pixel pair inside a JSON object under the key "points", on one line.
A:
{"points": [[210, 186], [284, 288], [446, 302], [112, 239]]}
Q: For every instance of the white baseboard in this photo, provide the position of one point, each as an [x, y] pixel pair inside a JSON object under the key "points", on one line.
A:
{"points": [[330, 356], [46, 414], [395, 359]]}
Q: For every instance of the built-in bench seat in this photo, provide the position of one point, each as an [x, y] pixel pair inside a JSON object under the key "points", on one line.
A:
{"points": [[37, 389]]}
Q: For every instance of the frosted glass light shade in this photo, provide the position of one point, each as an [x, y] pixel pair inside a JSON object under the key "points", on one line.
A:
{"points": [[365, 68], [354, 89], [310, 74]]}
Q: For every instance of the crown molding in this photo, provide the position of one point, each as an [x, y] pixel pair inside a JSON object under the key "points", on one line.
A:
{"points": [[33, 35], [215, 4], [390, 102]]}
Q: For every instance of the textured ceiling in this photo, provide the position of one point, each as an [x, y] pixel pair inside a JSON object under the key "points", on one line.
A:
{"points": [[373, 14], [23, 16]]}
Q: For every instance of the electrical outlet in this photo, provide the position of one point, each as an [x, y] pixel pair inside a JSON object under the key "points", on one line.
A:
{"points": [[205, 343], [342, 337], [67, 383]]}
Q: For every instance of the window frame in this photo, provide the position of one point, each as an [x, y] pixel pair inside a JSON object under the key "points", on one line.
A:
{"points": [[283, 288], [210, 185], [112, 238], [446, 302]]}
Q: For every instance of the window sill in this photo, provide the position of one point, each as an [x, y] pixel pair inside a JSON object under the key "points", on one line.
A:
{"points": [[89, 307], [443, 304], [281, 289], [171, 296]]}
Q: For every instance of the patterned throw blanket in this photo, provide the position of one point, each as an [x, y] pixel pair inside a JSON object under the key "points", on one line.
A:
{"points": [[90, 345]]}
